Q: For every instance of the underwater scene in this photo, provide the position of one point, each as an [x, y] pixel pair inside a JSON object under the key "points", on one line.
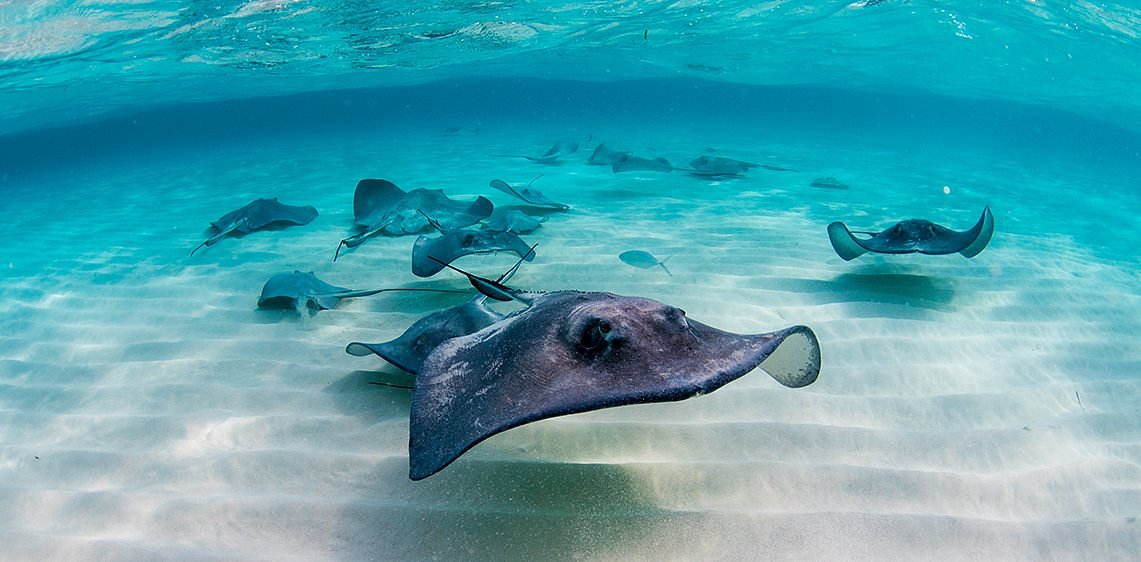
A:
{"points": [[530, 280]]}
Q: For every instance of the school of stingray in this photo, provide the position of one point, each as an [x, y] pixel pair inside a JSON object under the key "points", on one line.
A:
{"points": [[479, 372]]}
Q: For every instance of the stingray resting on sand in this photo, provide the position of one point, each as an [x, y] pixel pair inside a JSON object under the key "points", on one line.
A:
{"points": [[305, 292], [571, 352], [913, 235], [257, 215], [380, 206]]}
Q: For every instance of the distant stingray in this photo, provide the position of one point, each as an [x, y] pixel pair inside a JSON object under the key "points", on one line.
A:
{"points": [[304, 291], [631, 163], [413, 346], [532, 196], [380, 206], [603, 156], [514, 221], [430, 254], [914, 235], [571, 352], [719, 166], [561, 148], [643, 259], [257, 215], [828, 183]]}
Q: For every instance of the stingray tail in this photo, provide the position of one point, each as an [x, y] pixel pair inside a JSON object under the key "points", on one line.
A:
{"points": [[662, 263], [359, 238], [217, 237]]}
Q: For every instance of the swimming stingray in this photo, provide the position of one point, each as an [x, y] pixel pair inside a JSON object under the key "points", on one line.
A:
{"points": [[413, 346], [643, 259], [429, 255], [304, 291], [571, 352], [380, 206], [514, 220], [561, 148], [532, 196], [629, 163], [257, 215], [828, 183], [603, 156], [914, 235]]}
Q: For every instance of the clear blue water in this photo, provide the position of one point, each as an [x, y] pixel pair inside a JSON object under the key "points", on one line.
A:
{"points": [[967, 409]]}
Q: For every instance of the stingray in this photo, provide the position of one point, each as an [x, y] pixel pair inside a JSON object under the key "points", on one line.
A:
{"points": [[603, 156], [532, 196], [643, 259], [257, 215], [571, 352], [561, 148], [380, 206], [828, 183], [430, 255], [514, 221], [630, 163], [913, 235], [304, 291], [413, 346], [719, 166]]}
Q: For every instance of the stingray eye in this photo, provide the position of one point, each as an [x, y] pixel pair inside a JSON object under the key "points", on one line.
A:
{"points": [[469, 239], [596, 334]]}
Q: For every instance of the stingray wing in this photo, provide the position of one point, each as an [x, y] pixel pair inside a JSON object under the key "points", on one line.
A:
{"points": [[373, 199], [973, 241], [573, 352], [847, 246]]}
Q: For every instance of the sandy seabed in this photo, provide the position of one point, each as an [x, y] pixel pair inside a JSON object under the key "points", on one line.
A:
{"points": [[983, 409]]}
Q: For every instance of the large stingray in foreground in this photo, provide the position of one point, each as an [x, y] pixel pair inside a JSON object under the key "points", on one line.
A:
{"points": [[381, 206], [571, 352], [256, 215], [913, 235], [304, 291]]}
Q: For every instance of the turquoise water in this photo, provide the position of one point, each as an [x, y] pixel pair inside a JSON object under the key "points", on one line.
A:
{"points": [[979, 408]]}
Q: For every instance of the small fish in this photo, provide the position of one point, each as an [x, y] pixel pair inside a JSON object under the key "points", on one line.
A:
{"points": [[644, 260]]}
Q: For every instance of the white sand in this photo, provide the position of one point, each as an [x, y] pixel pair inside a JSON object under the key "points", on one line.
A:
{"points": [[981, 409]]}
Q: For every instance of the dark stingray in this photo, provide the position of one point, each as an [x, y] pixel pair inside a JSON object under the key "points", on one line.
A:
{"points": [[571, 352], [413, 346], [719, 166], [630, 163], [914, 235], [532, 196], [603, 156], [429, 255], [258, 214], [304, 291], [643, 259], [561, 148], [828, 183], [380, 206], [514, 220]]}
